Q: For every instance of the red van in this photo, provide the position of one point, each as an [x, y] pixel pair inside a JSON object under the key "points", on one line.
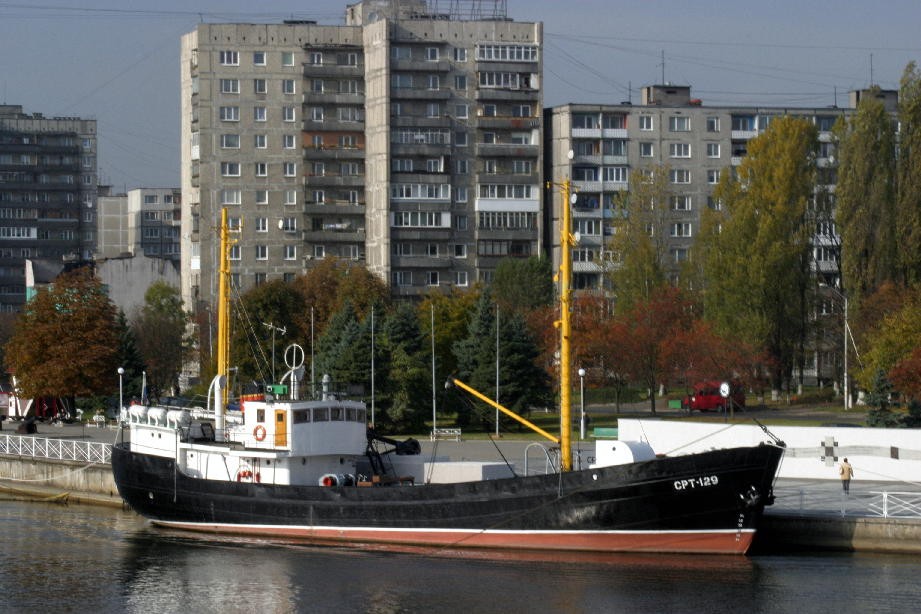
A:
{"points": [[706, 396]]}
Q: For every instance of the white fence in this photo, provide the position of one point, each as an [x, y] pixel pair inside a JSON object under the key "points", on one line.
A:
{"points": [[57, 449]]}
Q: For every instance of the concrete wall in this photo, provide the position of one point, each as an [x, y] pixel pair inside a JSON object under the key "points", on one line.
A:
{"points": [[67, 475], [812, 452]]}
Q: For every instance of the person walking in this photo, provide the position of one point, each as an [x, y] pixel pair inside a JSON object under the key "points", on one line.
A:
{"points": [[846, 472]]}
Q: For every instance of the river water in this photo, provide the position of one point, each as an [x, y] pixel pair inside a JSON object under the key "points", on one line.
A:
{"points": [[57, 558]]}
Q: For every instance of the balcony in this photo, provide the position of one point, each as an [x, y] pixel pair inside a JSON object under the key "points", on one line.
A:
{"points": [[508, 123], [334, 98], [497, 94], [333, 125], [333, 153], [334, 209], [334, 70], [412, 93], [425, 66], [335, 181], [495, 150]]}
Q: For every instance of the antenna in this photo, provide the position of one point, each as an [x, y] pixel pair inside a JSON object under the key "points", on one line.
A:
{"points": [[871, 70], [663, 67]]}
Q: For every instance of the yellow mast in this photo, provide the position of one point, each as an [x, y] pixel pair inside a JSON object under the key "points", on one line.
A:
{"points": [[566, 243], [223, 313]]}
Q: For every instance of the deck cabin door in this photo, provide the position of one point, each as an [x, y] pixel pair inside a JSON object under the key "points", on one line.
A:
{"points": [[281, 428]]}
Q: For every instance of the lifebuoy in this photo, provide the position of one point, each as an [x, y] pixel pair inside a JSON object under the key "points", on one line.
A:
{"points": [[245, 474], [259, 432]]}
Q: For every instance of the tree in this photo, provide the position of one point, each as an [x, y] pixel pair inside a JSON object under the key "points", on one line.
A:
{"points": [[640, 232], [865, 198], [523, 285], [408, 382], [65, 342], [129, 358], [522, 383], [258, 316], [161, 328], [892, 343], [757, 248], [909, 176], [451, 313]]}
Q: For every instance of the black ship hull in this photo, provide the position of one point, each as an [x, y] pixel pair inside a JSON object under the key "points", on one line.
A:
{"points": [[708, 502]]}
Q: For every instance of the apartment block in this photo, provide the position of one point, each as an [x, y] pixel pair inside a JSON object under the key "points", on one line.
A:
{"points": [[48, 186], [145, 221], [408, 139]]}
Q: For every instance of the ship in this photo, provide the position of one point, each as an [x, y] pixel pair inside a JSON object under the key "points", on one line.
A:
{"points": [[316, 471]]}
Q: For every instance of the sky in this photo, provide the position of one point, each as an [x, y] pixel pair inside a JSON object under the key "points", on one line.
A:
{"points": [[117, 61]]}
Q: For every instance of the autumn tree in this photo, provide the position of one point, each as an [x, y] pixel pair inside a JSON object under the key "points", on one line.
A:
{"points": [[65, 343], [129, 358], [640, 234], [523, 284], [161, 328], [908, 229], [449, 315], [266, 320], [865, 198], [892, 344], [756, 250]]}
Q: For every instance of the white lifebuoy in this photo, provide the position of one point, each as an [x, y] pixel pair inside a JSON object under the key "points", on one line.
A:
{"points": [[259, 432]]}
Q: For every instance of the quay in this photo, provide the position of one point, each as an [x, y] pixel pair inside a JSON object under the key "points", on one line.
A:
{"points": [[808, 514]]}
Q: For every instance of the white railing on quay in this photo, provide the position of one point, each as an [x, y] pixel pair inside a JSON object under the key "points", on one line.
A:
{"points": [[57, 449], [807, 501]]}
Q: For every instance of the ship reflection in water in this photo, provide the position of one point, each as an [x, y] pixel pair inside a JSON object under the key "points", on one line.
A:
{"points": [[81, 558]]}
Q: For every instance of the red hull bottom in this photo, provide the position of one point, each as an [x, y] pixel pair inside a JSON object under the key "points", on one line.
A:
{"points": [[727, 541]]}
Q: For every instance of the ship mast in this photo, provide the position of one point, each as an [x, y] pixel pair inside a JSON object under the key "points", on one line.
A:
{"points": [[565, 276], [223, 328]]}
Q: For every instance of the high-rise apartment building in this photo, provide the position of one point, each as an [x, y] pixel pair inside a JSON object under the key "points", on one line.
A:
{"points": [[48, 185], [697, 143], [408, 138]]}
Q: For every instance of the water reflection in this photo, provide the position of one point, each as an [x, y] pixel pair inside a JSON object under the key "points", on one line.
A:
{"points": [[86, 559]]}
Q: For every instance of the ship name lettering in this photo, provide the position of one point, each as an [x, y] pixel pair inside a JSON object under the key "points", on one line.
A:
{"points": [[698, 482]]}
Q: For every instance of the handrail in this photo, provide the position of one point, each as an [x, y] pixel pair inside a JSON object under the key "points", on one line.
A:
{"points": [[56, 449]]}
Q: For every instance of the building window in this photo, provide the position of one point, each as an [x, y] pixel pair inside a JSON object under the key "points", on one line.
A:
{"points": [[646, 150], [316, 114], [522, 167], [432, 278], [645, 122], [431, 54], [262, 224], [259, 58], [231, 197], [230, 114], [489, 110], [290, 252], [230, 86], [315, 58], [713, 150], [262, 197], [616, 174], [460, 250], [679, 123], [290, 169], [319, 251], [229, 58], [288, 87], [713, 124], [259, 114], [260, 141], [460, 278], [489, 167], [460, 82], [460, 54], [230, 169], [234, 252], [262, 169], [351, 59], [460, 194], [262, 252], [290, 197], [681, 229], [679, 150], [319, 197], [713, 176], [289, 114], [433, 109], [460, 139], [681, 203], [287, 58], [259, 86], [402, 278], [230, 141], [290, 141], [434, 82], [680, 175], [353, 197], [462, 167]]}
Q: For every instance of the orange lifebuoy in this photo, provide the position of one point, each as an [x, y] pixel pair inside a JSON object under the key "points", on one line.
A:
{"points": [[245, 474], [257, 478], [259, 432]]}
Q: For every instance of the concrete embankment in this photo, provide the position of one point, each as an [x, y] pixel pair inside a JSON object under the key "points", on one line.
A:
{"points": [[781, 532], [58, 479]]}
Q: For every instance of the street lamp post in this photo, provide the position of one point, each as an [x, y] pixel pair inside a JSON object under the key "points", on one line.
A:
{"points": [[582, 403], [121, 397]]}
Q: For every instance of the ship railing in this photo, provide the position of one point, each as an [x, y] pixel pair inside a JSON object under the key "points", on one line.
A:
{"points": [[551, 458], [56, 449], [806, 501]]}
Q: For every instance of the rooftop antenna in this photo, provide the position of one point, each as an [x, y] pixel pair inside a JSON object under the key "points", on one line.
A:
{"points": [[871, 70], [663, 67]]}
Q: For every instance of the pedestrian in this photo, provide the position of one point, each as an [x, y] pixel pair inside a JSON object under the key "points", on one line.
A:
{"points": [[846, 472]]}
